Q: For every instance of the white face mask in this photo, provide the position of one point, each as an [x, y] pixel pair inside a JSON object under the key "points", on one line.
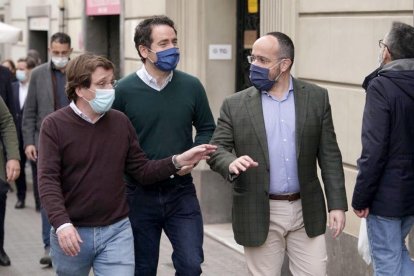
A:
{"points": [[60, 62]]}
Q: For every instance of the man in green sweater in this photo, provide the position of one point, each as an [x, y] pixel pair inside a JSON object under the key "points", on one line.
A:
{"points": [[163, 105]]}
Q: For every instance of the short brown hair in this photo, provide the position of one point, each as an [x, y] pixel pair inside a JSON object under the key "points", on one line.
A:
{"points": [[79, 72], [30, 62]]}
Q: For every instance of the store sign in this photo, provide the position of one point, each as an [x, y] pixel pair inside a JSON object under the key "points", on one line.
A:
{"points": [[219, 51], [103, 7]]}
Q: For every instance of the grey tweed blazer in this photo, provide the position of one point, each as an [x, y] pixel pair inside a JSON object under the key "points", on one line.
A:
{"points": [[241, 131], [39, 103]]}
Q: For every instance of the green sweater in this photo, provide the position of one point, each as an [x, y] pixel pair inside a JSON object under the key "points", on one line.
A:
{"points": [[164, 119]]}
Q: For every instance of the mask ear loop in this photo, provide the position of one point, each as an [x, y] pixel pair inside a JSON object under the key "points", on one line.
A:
{"points": [[278, 76], [151, 52]]}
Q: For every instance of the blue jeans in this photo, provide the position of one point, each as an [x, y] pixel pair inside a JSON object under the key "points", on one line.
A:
{"points": [[45, 228], [174, 209], [389, 253], [108, 249]]}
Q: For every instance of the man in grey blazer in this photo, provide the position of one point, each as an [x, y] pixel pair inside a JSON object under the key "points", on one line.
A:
{"points": [[270, 138], [46, 94]]}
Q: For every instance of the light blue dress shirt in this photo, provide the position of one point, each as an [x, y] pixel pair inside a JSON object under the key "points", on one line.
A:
{"points": [[279, 117]]}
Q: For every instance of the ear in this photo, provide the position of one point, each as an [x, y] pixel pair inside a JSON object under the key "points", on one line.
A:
{"points": [[386, 56], [143, 51], [79, 92], [285, 65]]}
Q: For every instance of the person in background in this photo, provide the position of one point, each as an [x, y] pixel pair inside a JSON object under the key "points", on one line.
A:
{"points": [[6, 92], [9, 165], [271, 138], [46, 94], [24, 67], [384, 189], [84, 150], [9, 64], [163, 105], [32, 53]]}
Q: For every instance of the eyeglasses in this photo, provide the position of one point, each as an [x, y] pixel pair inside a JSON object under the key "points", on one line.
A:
{"points": [[103, 85], [260, 59], [382, 44]]}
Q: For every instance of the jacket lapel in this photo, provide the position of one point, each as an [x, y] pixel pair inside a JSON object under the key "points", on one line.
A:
{"points": [[301, 99], [255, 110]]}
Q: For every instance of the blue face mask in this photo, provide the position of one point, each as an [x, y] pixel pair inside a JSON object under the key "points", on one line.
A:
{"points": [[103, 100], [259, 77], [167, 60]]}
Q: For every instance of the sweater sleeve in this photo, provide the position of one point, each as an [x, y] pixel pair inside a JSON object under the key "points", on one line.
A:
{"points": [[203, 120], [49, 168], [142, 169]]}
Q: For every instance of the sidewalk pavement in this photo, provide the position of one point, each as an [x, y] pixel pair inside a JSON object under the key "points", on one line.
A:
{"points": [[23, 244]]}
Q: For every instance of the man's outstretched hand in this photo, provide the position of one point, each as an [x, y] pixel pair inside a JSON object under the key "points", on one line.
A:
{"points": [[194, 155]]}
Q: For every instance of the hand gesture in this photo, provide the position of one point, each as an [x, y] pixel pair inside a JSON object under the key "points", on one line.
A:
{"points": [[185, 170], [241, 164], [194, 155]]}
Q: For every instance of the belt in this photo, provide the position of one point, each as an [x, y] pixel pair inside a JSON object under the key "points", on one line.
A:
{"points": [[289, 197]]}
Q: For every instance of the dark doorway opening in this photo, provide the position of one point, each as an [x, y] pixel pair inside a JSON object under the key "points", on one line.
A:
{"points": [[103, 38], [38, 40], [248, 30]]}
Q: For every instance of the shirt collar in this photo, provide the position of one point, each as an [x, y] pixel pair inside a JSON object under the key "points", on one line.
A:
{"points": [[150, 80], [290, 89], [83, 115]]}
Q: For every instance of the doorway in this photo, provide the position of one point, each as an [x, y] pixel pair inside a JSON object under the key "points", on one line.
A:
{"points": [[248, 30], [38, 40], [103, 38]]}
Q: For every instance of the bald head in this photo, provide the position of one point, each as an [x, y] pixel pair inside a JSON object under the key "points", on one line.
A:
{"points": [[274, 46]]}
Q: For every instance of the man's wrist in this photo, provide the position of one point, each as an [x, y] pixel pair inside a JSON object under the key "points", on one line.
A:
{"points": [[175, 162], [63, 226]]}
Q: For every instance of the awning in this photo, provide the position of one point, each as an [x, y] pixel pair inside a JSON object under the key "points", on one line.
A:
{"points": [[9, 34]]}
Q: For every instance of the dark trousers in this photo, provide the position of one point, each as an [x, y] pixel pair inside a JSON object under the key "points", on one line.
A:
{"points": [[21, 181], [174, 209], [35, 188], [4, 187]]}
